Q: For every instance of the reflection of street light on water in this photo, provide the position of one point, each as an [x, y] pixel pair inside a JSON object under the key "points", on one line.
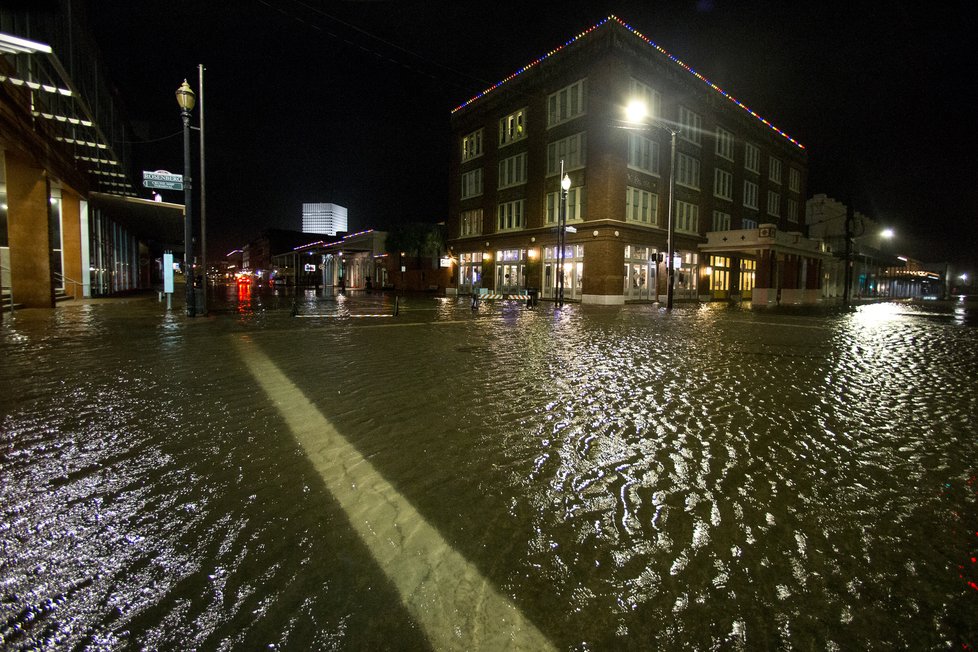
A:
{"points": [[636, 114]]}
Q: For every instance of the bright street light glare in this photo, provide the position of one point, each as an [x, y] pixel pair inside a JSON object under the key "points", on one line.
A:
{"points": [[636, 111], [887, 233]]}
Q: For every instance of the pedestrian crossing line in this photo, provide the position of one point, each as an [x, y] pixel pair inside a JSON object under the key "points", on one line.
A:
{"points": [[455, 605]]}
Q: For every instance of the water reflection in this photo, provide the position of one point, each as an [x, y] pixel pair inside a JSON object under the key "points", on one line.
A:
{"points": [[624, 478]]}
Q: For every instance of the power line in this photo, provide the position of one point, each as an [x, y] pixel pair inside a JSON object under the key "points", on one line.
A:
{"points": [[369, 50]]}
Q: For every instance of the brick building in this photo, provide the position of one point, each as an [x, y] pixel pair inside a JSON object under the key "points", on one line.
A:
{"points": [[739, 182]]}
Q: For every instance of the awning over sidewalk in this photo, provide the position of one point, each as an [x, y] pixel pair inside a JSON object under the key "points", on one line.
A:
{"points": [[146, 220], [766, 237]]}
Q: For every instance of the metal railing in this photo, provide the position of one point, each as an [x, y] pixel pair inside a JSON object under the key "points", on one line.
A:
{"points": [[7, 288], [64, 280]]}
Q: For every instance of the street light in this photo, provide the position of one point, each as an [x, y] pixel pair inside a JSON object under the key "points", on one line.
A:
{"points": [[186, 100], [636, 113], [565, 184]]}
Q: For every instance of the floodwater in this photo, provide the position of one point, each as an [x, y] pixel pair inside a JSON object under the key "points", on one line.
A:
{"points": [[505, 478]]}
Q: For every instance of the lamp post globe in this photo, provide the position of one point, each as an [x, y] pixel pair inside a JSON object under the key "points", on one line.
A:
{"points": [[186, 100]]}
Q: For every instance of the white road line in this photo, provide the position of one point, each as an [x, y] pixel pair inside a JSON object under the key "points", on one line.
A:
{"points": [[457, 607]]}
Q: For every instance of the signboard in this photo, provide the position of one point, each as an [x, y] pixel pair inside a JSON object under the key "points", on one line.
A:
{"points": [[163, 180], [445, 261], [309, 268], [168, 272]]}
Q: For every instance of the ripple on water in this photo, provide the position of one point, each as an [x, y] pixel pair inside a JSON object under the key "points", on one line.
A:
{"points": [[731, 481]]}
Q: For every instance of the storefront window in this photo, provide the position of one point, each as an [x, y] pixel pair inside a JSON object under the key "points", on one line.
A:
{"points": [[640, 272], [686, 271], [719, 269], [469, 271], [748, 271], [573, 271]]}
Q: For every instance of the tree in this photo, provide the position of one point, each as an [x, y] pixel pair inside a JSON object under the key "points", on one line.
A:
{"points": [[417, 240]]}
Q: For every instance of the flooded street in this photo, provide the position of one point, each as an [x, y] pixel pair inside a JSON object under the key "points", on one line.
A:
{"points": [[589, 479]]}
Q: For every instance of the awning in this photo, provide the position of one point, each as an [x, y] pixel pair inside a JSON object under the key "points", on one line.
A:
{"points": [[146, 220]]}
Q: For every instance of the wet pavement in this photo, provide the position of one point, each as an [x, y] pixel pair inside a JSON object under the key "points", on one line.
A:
{"points": [[596, 478]]}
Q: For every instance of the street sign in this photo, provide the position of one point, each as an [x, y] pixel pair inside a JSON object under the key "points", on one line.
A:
{"points": [[163, 180], [571, 229], [163, 185]]}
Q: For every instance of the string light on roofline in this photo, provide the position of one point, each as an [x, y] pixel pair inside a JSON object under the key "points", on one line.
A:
{"points": [[655, 45]]}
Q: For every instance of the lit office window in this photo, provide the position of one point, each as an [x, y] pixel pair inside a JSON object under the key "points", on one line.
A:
{"points": [[472, 145], [512, 128]]}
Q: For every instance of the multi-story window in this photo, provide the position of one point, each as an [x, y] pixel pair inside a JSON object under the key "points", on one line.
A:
{"points": [[687, 217], [509, 216], [722, 184], [472, 145], [747, 223], [512, 171], [651, 97], [643, 154], [774, 170], [792, 210], [752, 158], [575, 205], [472, 183], [794, 180], [641, 206], [721, 221], [690, 125], [566, 104], [470, 222], [688, 171], [773, 203], [571, 150], [725, 144], [750, 194], [512, 128]]}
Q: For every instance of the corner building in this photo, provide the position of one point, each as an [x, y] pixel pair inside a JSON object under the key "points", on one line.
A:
{"points": [[739, 183]]}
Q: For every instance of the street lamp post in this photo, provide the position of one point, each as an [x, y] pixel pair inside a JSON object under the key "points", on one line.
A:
{"points": [[186, 100], [636, 113], [850, 238], [850, 219], [565, 183], [670, 230]]}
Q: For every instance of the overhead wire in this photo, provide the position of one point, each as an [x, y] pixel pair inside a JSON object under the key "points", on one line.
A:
{"points": [[369, 50]]}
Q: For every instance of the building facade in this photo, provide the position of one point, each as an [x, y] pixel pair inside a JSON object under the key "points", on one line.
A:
{"points": [[876, 269], [327, 219], [355, 261], [738, 183], [66, 195]]}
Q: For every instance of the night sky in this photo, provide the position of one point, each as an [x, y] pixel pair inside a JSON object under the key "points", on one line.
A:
{"points": [[349, 101]]}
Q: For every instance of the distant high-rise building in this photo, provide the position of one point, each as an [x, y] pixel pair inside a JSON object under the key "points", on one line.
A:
{"points": [[323, 218]]}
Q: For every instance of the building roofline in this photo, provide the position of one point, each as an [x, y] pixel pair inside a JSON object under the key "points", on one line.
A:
{"points": [[615, 20]]}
